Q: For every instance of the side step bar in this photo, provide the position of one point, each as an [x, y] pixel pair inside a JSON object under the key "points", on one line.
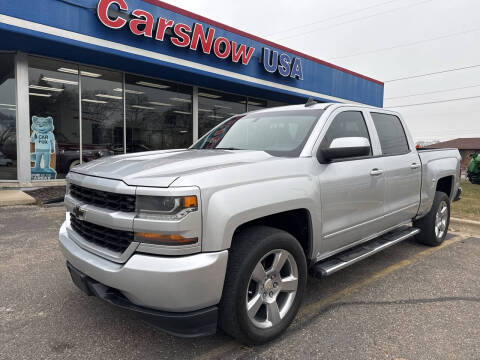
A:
{"points": [[351, 256]]}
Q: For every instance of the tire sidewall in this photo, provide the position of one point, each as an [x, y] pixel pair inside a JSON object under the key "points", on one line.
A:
{"points": [[439, 197], [280, 240]]}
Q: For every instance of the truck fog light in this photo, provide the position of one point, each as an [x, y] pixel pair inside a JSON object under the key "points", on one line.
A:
{"points": [[164, 239]]}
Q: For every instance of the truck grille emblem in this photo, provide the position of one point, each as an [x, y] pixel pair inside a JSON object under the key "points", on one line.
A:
{"points": [[78, 212]]}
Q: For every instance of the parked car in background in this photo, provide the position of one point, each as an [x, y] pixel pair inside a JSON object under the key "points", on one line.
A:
{"points": [[4, 161], [68, 153], [225, 232]]}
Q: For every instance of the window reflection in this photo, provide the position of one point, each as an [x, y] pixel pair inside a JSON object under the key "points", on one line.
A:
{"points": [[102, 112], [214, 107], [280, 133], [259, 104], [256, 104], [8, 114], [159, 114], [53, 90]]}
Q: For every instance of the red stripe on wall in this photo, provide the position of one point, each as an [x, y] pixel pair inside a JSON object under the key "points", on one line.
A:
{"points": [[253, 37]]}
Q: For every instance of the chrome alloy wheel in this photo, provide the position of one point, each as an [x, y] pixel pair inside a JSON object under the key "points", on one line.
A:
{"points": [[272, 288], [441, 219]]}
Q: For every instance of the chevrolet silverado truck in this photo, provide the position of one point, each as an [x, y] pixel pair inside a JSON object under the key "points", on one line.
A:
{"points": [[224, 233]]}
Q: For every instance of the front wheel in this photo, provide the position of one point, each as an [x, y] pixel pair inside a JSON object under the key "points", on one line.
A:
{"points": [[264, 285], [434, 225]]}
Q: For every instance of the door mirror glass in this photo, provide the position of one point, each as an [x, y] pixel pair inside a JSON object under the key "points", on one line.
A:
{"points": [[344, 147]]}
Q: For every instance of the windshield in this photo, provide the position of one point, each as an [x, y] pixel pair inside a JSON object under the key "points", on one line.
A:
{"points": [[280, 133]]}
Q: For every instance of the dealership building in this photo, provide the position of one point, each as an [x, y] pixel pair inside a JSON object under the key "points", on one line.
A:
{"points": [[82, 79]]}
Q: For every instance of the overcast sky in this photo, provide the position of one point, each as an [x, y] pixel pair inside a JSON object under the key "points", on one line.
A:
{"points": [[360, 35]]}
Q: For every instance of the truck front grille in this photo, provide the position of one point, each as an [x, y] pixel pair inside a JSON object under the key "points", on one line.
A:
{"points": [[103, 199], [115, 240]]}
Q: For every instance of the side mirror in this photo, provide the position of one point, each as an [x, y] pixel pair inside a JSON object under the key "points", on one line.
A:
{"points": [[346, 147]]}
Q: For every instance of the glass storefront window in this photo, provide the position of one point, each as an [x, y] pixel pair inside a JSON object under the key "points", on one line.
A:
{"points": [[256, 104], [214, 107], [102, 113], [8, 117], [159, 114], [53, 90]]}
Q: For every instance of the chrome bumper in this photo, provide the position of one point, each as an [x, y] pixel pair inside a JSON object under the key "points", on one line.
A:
{"points": [[177, 284]]}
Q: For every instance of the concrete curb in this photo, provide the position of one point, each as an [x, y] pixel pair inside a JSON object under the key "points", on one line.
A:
{"points": [[15, 197], [466, 225]]}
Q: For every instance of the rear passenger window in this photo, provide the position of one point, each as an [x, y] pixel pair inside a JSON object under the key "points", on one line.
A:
{"points": [[346, 124], [391, 133]]}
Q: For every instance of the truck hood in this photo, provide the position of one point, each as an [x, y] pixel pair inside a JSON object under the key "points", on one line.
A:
{"points": [[162, 168]]}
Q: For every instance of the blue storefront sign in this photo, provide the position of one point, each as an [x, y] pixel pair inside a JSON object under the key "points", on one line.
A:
{"points": [[121, 76]]}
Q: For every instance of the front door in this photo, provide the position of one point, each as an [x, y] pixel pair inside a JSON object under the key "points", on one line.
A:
{"points": [[352, 191]]}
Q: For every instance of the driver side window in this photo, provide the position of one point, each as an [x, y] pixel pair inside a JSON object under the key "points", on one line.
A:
{"points": [[346, 124]]}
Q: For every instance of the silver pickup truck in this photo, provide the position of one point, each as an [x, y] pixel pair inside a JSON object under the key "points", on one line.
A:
{"points": [[223, 234]]}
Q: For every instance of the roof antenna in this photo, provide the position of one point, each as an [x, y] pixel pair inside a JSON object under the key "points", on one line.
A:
{"points": [[310, 102]]}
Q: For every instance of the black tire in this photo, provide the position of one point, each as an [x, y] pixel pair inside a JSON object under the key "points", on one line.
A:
{"points": [[427, 224], [248, 247]]}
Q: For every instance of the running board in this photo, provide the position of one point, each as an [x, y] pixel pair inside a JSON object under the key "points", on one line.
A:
{"points": [[351, 256]]}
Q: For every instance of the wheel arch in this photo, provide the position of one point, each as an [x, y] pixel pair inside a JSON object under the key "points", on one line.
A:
{"points": [[445, 184], [267, 203], [297, 222]]}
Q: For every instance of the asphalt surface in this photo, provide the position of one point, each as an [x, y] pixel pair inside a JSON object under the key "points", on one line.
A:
{"points": [[407, 302]]}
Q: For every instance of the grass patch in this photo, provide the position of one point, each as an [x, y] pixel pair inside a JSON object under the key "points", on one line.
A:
{"points": [[469, 206]]}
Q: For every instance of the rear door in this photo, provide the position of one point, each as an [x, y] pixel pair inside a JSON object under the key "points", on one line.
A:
{"points": [[352, 190], [402, 169]]}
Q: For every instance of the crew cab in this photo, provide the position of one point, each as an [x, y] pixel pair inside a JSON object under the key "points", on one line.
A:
{"points": [[224, 233]]}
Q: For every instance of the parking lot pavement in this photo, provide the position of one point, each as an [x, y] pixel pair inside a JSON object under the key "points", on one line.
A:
{"points": [[407, 302]]}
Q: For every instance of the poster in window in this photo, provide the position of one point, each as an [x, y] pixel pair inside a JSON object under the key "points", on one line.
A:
{"points": [[43, 141]]}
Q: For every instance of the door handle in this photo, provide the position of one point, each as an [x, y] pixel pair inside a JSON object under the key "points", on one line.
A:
{"points": [[376, 172], [414, 166]]}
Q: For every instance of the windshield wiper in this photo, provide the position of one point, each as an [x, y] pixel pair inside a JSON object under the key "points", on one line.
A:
{"points": [[227, 148]]}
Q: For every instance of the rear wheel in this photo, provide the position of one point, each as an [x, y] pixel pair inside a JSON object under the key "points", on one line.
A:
{"points": [[264, 285], [434, 225]]}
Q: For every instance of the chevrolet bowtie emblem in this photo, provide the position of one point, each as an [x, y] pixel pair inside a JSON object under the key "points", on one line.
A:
{"points": [[78, 212]]}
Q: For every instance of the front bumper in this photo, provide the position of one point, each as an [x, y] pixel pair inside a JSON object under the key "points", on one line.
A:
{"points": [[190, 324], [172, 284]]}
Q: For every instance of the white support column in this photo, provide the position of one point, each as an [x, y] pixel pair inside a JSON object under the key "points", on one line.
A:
{"points": [[80, 126], [23, 118], [124, 115], [195, 113]]}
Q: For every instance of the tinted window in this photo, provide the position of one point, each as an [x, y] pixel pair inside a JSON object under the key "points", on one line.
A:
{"points": [[159, 114], [8, 117], [346, 124], [102, 112], [391, 134], [259, 104], [214, 107]]}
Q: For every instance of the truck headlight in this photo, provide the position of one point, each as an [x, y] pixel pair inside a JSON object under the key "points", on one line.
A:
{"points": [[165, 207]]}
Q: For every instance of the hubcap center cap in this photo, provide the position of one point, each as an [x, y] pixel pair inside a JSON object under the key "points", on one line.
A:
{"points": [[268, 284]]}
